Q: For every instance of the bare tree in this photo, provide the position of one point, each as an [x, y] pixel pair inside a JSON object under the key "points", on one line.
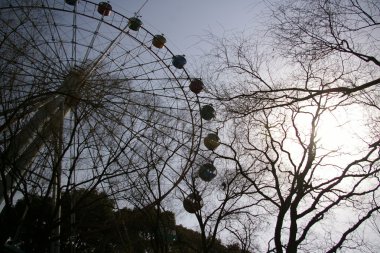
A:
{"points": [[280, 98], [220, 203]]}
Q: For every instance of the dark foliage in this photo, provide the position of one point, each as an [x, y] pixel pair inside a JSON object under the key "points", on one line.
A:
{"points": [[90, 223]]}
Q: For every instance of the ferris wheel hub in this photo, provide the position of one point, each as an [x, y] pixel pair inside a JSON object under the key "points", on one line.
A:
{"points": [[72, 87]]}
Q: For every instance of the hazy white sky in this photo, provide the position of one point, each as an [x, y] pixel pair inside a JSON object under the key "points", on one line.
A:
{"points": [[183, 22]]}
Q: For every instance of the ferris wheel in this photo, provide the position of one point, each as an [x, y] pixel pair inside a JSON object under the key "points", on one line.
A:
{"points": [[92, 96]]}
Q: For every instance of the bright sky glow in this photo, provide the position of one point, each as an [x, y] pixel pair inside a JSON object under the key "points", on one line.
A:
{"points": [[342, 129]]}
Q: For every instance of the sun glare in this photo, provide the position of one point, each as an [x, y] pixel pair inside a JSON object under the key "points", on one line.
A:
{"points": [[342, 130], [341, 137]]}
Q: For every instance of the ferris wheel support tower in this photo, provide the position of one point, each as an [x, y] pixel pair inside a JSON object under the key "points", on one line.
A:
{"points": [[46, 124]]}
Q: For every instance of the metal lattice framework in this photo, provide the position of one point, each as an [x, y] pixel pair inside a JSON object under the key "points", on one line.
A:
{"points": [[85, 97]]}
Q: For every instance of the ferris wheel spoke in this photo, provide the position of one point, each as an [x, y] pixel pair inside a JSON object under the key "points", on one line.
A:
{"points": [[54, 32], [160, 112], [74, 37], [91, 43], [157, 110], [37, 34], [107, 48], [21, 51], [130, 144]]}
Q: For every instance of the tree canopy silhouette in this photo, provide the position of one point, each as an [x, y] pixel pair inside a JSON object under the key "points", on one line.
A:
{"points": [[302, 117]]}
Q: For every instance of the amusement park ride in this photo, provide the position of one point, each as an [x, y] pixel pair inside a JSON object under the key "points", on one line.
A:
{"points": [[81, 81]]}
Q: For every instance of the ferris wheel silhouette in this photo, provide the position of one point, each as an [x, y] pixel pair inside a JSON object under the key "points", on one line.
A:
{"points": [[110, 92]]}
